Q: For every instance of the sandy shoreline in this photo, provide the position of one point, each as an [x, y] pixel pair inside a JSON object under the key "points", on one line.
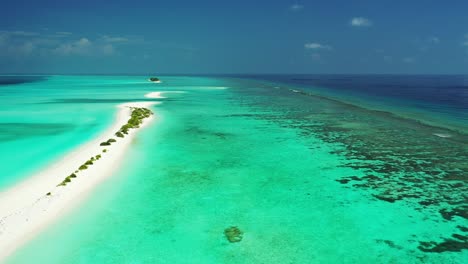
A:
{"points": [[159, 95], [25, 209]]}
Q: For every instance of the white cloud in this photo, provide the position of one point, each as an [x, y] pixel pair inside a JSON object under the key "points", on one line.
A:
{"points": [[18, 44], [409, 60], [24, 33], [427, 43], [110, 39], [18, 33], [83, 42], [360, 22], [108, 49], [61, 34], [296, 7], [317, 46], [80, 47]]}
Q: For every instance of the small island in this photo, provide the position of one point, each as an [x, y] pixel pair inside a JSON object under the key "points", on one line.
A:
{"points": [[154, 80]]}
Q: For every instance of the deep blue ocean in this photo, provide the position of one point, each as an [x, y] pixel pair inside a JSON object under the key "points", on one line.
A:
{"points": [[436, 99]]}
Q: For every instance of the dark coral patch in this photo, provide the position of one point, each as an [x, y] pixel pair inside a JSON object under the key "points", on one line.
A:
{"points": [[389, 243], [387, 198], [448, 245], [233, 234], [458, 211]]}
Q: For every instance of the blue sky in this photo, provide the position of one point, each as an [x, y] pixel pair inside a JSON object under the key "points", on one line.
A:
{"points": [[142, 36]]}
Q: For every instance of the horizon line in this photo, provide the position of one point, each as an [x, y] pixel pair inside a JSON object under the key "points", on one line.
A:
{"points": [[220, 74]]}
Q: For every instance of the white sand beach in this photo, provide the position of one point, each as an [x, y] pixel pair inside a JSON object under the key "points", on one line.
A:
{"points": [[156, 95], [159, 95], [26, 209]]}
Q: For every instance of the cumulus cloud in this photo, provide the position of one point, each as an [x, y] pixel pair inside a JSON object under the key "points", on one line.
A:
{"points": [[108, 49], [360, 22], [316, 49], [83, 42], [317, 46], [18, 44], [79, 47], [14, 43], [21, 33], [296, 7]]}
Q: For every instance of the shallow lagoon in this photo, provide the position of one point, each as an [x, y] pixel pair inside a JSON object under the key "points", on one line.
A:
{"points": [[306, 179]]}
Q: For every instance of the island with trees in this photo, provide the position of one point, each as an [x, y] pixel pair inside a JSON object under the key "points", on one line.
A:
{"points": [[154, 80]]}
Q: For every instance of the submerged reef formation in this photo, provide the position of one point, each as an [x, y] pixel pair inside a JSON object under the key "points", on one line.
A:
{"points": [[456, 243], [233, 234], [397, 160], [136, 119]]}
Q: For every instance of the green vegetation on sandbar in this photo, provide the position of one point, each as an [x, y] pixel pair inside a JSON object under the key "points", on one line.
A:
{"points": [[64, 182], [136, 119], [49, 193], [108, 142]]}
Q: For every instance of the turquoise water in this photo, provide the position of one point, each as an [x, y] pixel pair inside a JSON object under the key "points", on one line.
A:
{"points": [[40, 121], [306, 179]]}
